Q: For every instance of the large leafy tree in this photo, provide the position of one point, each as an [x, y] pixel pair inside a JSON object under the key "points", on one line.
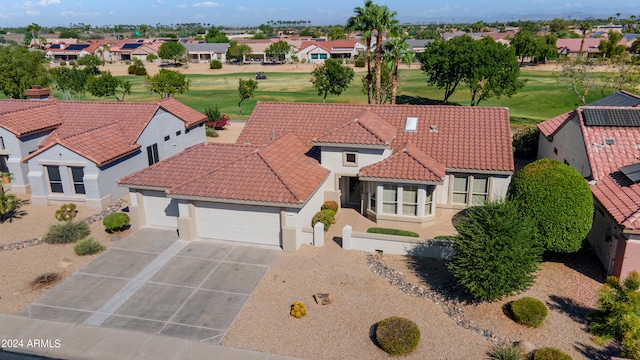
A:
{"points": [[246, 89], [494, 254], [363, 21], [278, 49], [331, 78], [493, 71], [337, 33], [396, 50], [524, 45], [383, 21], [558, 199], [610, 48], [32, 30], [20, 69], [107, 85], [167, 83], [172, 51], [71, 81], [546, 48], [215, 36], [238, 51], [91, 62]]}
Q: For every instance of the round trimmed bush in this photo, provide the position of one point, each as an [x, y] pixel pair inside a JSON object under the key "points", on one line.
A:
{"points": [[325, 216], [550, 353], [525, 143], [397, 336], [360, 62], [88, 246], [115, 222], [215, 64], [332, 205], [559, 201], [67, 232], [529, 311]]}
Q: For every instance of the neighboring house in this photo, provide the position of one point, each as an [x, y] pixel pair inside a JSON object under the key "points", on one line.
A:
{"points": [[205, 52], [258, 50], [135, 50], [571, 47], [65, 52], [395, 164], [75, 151], [319, 51], [602, 142], [418, 45]]}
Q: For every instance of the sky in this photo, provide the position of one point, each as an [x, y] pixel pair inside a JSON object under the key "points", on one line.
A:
{"points": [[319, 12]]}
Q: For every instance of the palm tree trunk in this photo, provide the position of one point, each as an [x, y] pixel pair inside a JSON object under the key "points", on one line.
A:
{"points": [[394, 81], [378, 67], [369, 76]]}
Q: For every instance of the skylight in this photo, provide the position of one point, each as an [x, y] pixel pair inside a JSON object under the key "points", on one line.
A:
{"points": [[411, 124]]}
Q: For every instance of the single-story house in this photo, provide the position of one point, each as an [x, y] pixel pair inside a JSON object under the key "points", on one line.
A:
{"points": [[602, 142], [75, 151], [135, 50], [394, 164], [418, 45], [571, 46], [319, 51], [69, 52], [205, 52]]}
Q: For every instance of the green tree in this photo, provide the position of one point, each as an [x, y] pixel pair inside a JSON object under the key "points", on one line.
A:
{"points": [[143, 29], [383, 21], [618, 314], [386, 87], [32, 30], [238, 51], [20, 69], [578, 75], [493, 71], [69, 34], [90, 62], [494, 254], [558, 25], [558, 199], [337, 33], [214, 35], [173, 51], [546, 48], [331, 78], [610, 48], [446, 63], [278, 49], [524, 45], [107, 85], [167, 83], [71, 81], [530, 26], [246, 89], [396, 50], [9, 203], [363, 21]]}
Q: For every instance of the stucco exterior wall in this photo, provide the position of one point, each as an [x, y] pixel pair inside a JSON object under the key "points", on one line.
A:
{"points": [[631, 260], [301, 218], [567, 146], [332, 159], [17, 149]]}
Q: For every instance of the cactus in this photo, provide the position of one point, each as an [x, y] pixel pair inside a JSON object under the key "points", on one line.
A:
{"points": [[298, 310], [66, 212]]}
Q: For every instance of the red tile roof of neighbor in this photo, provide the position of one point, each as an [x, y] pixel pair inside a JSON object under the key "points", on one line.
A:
{"points": [[551, 126], [99, 131], [278, 173], [614, 190], [458, 137]]}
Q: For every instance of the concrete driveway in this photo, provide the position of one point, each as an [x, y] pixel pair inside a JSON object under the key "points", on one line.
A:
{"points": [[152, 282]]}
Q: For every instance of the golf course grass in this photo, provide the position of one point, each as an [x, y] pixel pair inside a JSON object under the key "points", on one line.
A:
{"points": [[540, 99]]}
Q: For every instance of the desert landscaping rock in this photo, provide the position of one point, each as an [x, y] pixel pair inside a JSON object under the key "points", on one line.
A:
{"points": [[323, 298]]}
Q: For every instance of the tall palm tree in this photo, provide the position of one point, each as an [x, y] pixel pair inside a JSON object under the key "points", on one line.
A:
{"points": [[396, 50], [584, 27], [383, 21], [363, 21]]}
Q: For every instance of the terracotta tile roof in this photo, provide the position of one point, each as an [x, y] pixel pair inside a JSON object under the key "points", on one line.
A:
{"points": [[407, 164], [459, 137], [550, 127], [24, 117], [619, 195], [330, 45], [99, 131], [278, 173], [366, 129], [573, 45]]}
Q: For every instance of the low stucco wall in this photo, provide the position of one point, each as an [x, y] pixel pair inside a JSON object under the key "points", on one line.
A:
{"points": [[399, 245]]}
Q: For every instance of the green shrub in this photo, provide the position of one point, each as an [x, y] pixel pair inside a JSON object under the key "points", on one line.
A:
{"points": [[331, 205], [215, 64], [88, 246], [137, 68], [397, 336], [376, 230], [529, 311], [525, 143], [67, 232], [63, 63], [325, 216], [506, 352], [66, 212], [72, 63], [445, 237], [360, 62], [211, 132], [152, 57], [549, 353], [116, 222], [493, 254]]}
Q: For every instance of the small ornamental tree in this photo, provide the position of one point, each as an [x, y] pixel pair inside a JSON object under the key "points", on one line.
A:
{"points": [[173, 51], [216, 119], [246, 88], [494, 254], [167, 83], [331, 78], [558, 199]]}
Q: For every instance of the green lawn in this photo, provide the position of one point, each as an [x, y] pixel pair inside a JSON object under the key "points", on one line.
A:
{"points": [[542, 97]]}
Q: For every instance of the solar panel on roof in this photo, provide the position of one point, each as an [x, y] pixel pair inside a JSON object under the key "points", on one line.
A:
{"points": [[77, 46], [632, 172], [131, 46], [611, 117], [616, 99]]}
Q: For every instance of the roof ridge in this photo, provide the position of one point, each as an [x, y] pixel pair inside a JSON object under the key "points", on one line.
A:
{"points": [[280, 179], [45, 104], [371, 131]]}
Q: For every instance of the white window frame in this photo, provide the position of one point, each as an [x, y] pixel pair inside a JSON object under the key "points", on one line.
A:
{"points": [[469, 191], [408, 204], [390, 202]]}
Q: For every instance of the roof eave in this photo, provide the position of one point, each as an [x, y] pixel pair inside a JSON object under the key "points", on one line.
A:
{"points": [[142, 187], [236, 201], [479, 171], [348, 145], [401, 181]]}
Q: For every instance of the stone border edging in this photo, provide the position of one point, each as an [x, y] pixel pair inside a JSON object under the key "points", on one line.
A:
{"points": [[451, 307], [89, 220]]}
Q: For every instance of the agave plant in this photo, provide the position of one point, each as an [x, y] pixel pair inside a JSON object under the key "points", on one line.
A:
{"points": [[9, 203]]}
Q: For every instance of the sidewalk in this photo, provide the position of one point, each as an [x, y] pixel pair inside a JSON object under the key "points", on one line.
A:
{"points": [[78, 341]]}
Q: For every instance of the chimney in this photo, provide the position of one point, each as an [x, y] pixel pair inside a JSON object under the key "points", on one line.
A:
{"points": [[37, 92]]}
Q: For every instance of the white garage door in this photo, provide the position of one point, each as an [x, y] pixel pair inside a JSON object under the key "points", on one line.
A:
{"points": [[252, 224], [160, 210]]}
